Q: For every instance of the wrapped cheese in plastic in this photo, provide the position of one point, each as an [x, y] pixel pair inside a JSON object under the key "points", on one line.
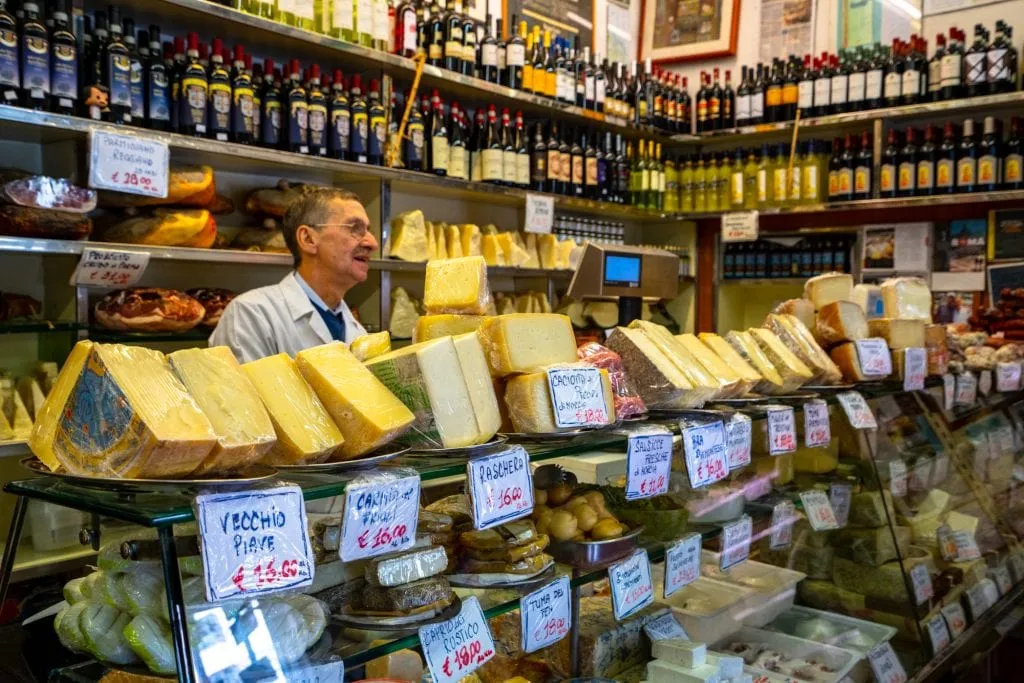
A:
{"points": [[656, 378], [744, 344], [529, 402], [627, 401], [907, 297], [457, 285], [800, 342], [732, 383], [793, 371], [705, 385], [371, 345]]}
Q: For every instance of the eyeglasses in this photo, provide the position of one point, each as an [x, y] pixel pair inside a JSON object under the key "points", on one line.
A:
{"points": [[357, 230]]}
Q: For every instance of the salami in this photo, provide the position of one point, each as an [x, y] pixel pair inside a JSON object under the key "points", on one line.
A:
{"points": [[24, 221], [43, 192]]}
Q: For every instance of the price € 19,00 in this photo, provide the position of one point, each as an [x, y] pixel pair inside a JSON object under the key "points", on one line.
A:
{"points": [[555, 627]]}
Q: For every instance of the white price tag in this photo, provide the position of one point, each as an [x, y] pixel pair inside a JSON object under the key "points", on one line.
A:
{"points": [[966, 546], [664, 626], [99, 267], [874, 357], [966, 389], [738, 434], [705, 450], [897, 478], [857, 410], [783, 517], [1001, 576], [948, 391], [920, 475], [648, 463], [546, 615], [500, 487], [818, 510], [125, 163], [938, 633], [735, 542], [985, 382], [253, 542], [1004, 436], [630, 581], [922, 582], [1017, 565], [540, 213], [781, 431], [380, 516], [577, 397], [840, 496], [915, 368], [955, 618], [1008, 376], [739, 226], [991, 592], [682, 563], [457, 647], [817, 432], [941, 470], [885, 664], [325, 672], [977, 600]]}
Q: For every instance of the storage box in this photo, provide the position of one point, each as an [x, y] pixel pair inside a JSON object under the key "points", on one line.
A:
{"points": [[775, 587]]}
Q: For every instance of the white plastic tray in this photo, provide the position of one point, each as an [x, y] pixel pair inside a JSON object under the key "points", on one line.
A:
{"points": [[774, 587], [708, 625], [839, 659]]}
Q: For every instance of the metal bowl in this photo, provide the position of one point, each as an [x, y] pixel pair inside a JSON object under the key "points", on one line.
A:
{"points": [[594, 554]]}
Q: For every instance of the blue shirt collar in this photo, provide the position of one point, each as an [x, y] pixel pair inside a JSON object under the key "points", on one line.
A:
{"points": [[315, 298]]}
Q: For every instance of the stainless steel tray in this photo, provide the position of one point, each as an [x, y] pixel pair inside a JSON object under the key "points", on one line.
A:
{"points": [[594, 554], [463, 451], [552, 437], [373, 459], [377, 623], [254, 474]]}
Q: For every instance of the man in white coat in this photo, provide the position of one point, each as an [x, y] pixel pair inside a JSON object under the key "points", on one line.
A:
{"points": [[328, 234]]}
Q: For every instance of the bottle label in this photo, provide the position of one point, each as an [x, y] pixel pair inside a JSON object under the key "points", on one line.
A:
{"points": [[762, 185], [845, 186], [515, 55], [873, 89], [121, 81], [64, 71], [779, 185], [975, 64], [588, 88], [757, 106], [591, 174], [492, 165], [342, 17], [714, 107], [501, 66], [857, 84], [243, 109], [453, 47], [998, 66], [951, 66], [489, 54], [378, 134], [409, 30], [538, 167], [435, 51], [360, 138], [822, 92], [414, 143], [966, 172], [906, 177], [439, 153], [925, 175], [887, 178], [271, 123], [220, 106], [794, 184], [1013, 168], [469, 46], [944, 173], [341, 127], [861, 180], [702, 110], [806, 98], [645, 180], [773, 96], [911, 82], [577, 170], [508, 166], [839, 89], [833, 184], [159, 102], [736, 190], [138, 92], [935, 75], [893, 86], [304, 9], [987, 173], [364, 17], [298, 121], [9, 60], [318, 127], [554, 163], [743, 107], [564, 167], [810, 182], [194, 109], [790, 93], [522, 169], [456, 161], [600, 90], [35, 66]]}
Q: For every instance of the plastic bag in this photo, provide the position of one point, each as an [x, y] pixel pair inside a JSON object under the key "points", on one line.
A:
{"points": [[627, 401]]}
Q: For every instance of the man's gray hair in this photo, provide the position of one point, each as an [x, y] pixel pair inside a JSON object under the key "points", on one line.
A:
{"points": [[312, 208]]}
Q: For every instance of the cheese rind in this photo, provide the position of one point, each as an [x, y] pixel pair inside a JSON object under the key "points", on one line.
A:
{"points": [[48, 419], [732, 384], [478, 381], [305, 431], [528, 398], [396, 569], [215, 380], [805, 348], [457, 285], [792, 370], [898, 334], [845, 356], [705, 385], [838, 322], [907, 297], [526, 342], [747, 347], [371, 345], [733, 359], [801, 308], [824, 289], [408, 237], [656, 378]]}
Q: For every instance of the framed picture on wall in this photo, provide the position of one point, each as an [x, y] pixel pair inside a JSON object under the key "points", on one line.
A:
{"points": [[564, 18], [685, 30]]}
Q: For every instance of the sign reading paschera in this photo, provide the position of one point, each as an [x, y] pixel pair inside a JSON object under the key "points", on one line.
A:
{"points": [[577, 396], [885, 664], [109, 268], [706, 453], [739, 226], [817, 431], [966, 389], [915, 367], [840, 496], [1007, 376], [682, 563], [648, 463], [254, 542], [500, 487], [818, 510], [540, 213], [735, 542], [125, 163], [955, 618], [630, 581], [546, 615], [665, 627], [857, 410], [948, 391], [783, 517], [874, 356], [380, 516], [457, 647], [938, 633], [781, 430], [738, 430]]}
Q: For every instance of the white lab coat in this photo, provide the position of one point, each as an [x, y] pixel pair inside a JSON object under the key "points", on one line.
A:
{"points": [[274, 319]]}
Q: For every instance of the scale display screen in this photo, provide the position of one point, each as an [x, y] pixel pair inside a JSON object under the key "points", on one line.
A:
{"points": [[621, 270]]}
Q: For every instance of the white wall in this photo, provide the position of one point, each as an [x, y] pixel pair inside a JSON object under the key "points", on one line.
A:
{"points": [[1011, 11]]}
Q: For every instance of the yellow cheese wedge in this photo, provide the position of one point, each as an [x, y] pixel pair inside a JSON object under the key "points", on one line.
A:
{"points": [[492, 251], [505, 305], [371, 345], [50, 413], [15, 414], [828, 287], [530, 245], [440, 241], [515, 254], [305, 431], [403, 314], [658, 380], [215, 380], [527, 342], [907, 297], [751, 377], [427, 377], [792, 370], [408, 237], [898, 333], [31, 395], [733, 383], [445, 325], [528, 399], [547, 251], [542, 303], [453, 239], [432, 242], [479, 384], [457, 286], [820, 363], [801, 308], [565, 248], [705, 385], [364, 410], [470, 236], [743, 343]]}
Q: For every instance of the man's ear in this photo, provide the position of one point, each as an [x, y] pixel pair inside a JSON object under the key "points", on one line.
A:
{"points": [[307, 239]]}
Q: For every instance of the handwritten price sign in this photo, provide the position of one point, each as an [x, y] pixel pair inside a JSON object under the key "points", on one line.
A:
{"points": [[966, 389], [706, 453], [648, 463], [875, 359], [817, 431], [125, 163], [738, 434], [938, 633], [1007, 376], [857, 410], [380, 516], [915, 367], [818, 510], [1001, 575], [735, 542], [630, 581], [897, 478], [783, 516], [955, 618], [886, 665], [839, 496], [546, 617], [948, 391], [682, 563], [922, 582], [500, 486], [577, 396], [253, 542], [457, 647], [781, 431], [985, 382], [663, 626], [109, 268]]}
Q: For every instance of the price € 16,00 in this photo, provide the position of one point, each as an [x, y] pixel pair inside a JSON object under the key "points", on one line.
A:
{"points": [[383, 536], [263, 575], [511, 497]]}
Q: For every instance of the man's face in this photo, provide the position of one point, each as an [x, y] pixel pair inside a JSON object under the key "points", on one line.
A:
{"points": [[345, 244]]}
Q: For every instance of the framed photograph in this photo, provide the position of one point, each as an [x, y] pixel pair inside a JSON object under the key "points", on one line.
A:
{"points": [[572, 19], [685, 30]]}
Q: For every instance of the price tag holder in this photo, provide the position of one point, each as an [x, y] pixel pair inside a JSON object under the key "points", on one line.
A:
{"points": [[706, 453], [857, 410], [985, 382], [577, 397], [1001, 576], [99, 267], [938, 633], [781, 431], [664, 626], [630, 581], [735, 542], [740, 226], [540, 213], [500, 486], [326, 672], [922, 582], [546, 615], [920, 475], [125, 163], [381, 513], [738, 431], [253, 542], [915, 368], [977, 600], [948, 391], [840, 496], [874, 356], [457, 647], [1007, 376], [648, 463], [783, 517], [966, 389], [898, 478], [818, 510], [817, 431], [955, 618], [682, 563], [886, 665]]}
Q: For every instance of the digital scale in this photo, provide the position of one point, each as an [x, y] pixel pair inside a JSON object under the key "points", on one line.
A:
{"points": [[627, 275]]}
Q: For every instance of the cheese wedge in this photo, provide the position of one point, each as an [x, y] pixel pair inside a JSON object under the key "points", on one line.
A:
{"points": [[793, 371], [528, 398], [470, 237], [657, 379], [40, 442], [403, 314], [515, 254], [371, 345], [427, 377], [440, 241], [215, 380], [897, 333], [547, 251], [492, 251], [840, 321], [525, 303], [732, 358], [125, 415], [408, 240], [543, 305], [526, 342], [824, 289], [15, 414], [457, 286], [453, 239], [806, 339], [432, 242], [31, 395], [907, 297], [305, 431], [845, 356], [603, 314], [478, 381], [565, 248], [745, 345], [364, 410], [732, 383], [530, 245], [801, 308], [705, 386], [806, 349], [445, 325]]}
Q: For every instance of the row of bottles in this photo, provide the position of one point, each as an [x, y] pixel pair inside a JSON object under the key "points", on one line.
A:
{"points": [[768, 259], [583, 229]]}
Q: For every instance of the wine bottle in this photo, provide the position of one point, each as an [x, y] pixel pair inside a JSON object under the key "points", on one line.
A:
{"points": [[887, 171], [458, 165], [515, 55], [218, 103], [520, 143], [967, 160], [438, 141], [539, 161], [158, 94], [1013, 161], [193, 92], [270, 108], [926, 158], [359, 140], [989, 155], [906, 173], [493, 152], [242, 102]]}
